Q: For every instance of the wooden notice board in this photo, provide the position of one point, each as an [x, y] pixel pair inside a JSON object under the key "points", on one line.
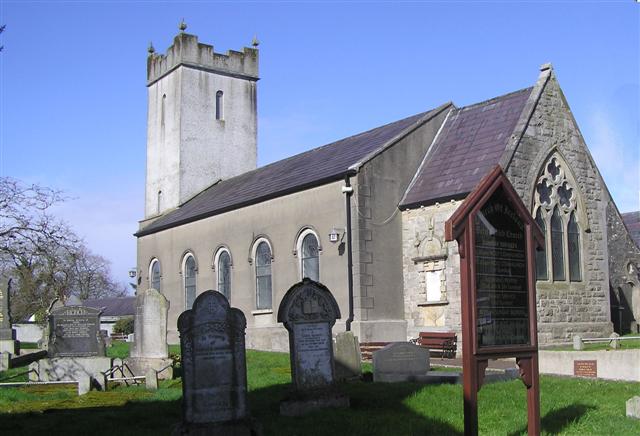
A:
{"points": [[497, 238]]}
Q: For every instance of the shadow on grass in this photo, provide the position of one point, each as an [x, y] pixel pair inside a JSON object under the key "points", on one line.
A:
{"points": [[557, 419], [376, 409]]}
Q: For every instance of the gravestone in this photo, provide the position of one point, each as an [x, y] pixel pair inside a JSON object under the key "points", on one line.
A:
{"points": [[7, 334], [149, 349], [400, 361], [214, 372], [633, 407], [75, 348], [74, 331], [347, 357], [308, 312]]}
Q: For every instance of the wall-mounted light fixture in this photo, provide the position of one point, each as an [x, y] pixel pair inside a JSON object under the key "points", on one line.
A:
{"points": [[335, 234]]}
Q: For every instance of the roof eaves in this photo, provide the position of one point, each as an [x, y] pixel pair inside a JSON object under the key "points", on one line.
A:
{"points": [[270, 196], [427, 117]]}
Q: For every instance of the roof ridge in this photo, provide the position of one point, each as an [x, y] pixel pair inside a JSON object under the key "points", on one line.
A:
{"points": [[494, 99]]}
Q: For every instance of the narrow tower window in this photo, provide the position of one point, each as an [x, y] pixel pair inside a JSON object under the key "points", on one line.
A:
{"points": [[162, 109], [219, 102], [155, 274], [159, 205], [224, 274], [573, 234]]}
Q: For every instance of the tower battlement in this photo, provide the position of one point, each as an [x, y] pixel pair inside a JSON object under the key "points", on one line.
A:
{"points": [[187, 51]]}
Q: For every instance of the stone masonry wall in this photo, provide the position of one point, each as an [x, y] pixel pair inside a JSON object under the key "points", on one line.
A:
{"points": [[566, 308], [424, 249]]}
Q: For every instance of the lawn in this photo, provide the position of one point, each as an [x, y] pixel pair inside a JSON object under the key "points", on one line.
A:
{"points": [[569, 406], [629, 344]]}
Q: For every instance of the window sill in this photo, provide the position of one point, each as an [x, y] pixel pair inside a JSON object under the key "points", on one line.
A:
{"points": [[261, 312], [434, 303]]}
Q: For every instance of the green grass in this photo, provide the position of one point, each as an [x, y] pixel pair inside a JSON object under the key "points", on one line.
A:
{"points": [[568, 406], [632, 344]]}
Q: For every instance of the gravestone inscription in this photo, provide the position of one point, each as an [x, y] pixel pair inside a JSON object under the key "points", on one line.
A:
{"points": [[308, 312], [74, 331], [214, 377]]}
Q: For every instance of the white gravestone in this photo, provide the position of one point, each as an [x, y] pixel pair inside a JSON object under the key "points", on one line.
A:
{"points": [[150, 350], [400, 361], [214, 373]]}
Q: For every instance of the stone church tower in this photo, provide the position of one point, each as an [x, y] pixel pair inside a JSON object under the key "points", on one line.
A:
{"points": [[202, 120]]}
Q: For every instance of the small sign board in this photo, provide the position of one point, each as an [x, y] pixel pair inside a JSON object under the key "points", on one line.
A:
{"points": [[585, 368]]}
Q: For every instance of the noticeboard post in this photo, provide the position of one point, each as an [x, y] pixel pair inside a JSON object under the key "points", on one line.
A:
{"points": [[497, 238]]}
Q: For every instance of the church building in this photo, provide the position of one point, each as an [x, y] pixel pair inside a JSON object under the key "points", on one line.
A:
{"points": [[365, 215]]}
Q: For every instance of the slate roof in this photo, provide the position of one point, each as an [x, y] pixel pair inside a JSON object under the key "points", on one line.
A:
{"points": [[312, 168], [121, 306], [632, 221], [469, 145]]}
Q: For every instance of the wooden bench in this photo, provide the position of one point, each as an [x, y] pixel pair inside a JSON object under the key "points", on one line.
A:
{"points": [[443, 342]]}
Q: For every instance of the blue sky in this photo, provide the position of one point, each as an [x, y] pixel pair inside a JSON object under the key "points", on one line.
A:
{"points": [[73, 97]]}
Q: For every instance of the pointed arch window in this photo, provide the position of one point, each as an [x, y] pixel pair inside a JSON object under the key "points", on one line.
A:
{"points": [[573, 235], [557, 245], [223, 268], [309, 250], [189, 277], [541, 255], [154, 275], [263, 275], [557, 209]]}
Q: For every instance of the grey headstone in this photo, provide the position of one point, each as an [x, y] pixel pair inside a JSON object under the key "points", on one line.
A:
{"points": [[7, 334], [5, 360], [214, 374], [633, 407], [150, 325], [84, 384], [151, 379], [400, 361], [74, 331], [308, 311], [346, 352], [577, 343], [615, 341]]}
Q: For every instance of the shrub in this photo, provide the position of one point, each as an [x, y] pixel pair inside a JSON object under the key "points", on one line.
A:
{"points": [[124, 326]]}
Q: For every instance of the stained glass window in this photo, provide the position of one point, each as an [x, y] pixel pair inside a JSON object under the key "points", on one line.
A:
{"points": [[557, 245], [574, 249], [541, 254]]}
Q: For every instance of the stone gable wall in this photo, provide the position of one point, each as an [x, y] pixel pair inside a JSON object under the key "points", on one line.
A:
{"points": [[567, 308], [423, 248]]}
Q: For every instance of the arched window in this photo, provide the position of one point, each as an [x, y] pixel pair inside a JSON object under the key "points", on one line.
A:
{"points": [[573, 235], [541, 255], [219, 102], [263, 275], [223, 268], [557, 206], [189, 276], [154, 275], [159, 205], [309, 256], [557, 245]]}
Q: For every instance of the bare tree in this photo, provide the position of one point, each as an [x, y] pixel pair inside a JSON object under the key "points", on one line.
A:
{"points": [[42, 253]]}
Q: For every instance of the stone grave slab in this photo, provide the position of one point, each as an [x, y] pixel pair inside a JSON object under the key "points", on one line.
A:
{"points": [[214, 377], [348, 360], [400, 361], [149, 349], [633, 407], [7, 334], [308, 312], [74, 331]]}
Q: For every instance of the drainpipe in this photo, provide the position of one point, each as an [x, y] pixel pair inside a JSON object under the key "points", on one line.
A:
{"points": [[348, 190]]}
